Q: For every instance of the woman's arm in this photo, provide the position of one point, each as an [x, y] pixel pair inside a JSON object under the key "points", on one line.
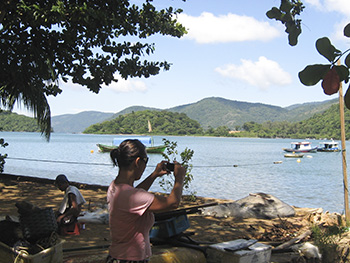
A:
{"points": [[162, 203], [159, 171]]}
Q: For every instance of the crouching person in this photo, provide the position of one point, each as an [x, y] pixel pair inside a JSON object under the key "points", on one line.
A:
{"points": [[70, 208]]}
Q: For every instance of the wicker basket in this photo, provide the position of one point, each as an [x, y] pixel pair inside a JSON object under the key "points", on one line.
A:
{"points": [[39, 224]]}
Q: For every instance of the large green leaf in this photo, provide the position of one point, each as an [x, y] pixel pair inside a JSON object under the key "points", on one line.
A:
{"points": [[312, 74], [286, 6], [274, 13], [347, 30], [347, 61], [343, 72], [294, 32], [326, 49]]}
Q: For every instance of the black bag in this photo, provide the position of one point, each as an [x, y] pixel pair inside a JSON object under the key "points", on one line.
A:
{"points": [[39, 224]]}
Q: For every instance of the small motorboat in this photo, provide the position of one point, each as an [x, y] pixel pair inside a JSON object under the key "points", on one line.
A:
{"points": [[328, 146], [300, 147]]}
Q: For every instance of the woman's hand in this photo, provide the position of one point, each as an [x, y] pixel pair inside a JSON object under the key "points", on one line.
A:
{"points": [[161, 169], [179, 171]]}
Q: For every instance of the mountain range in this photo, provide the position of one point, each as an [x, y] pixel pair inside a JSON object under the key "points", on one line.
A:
{"points": [[209, 112]]}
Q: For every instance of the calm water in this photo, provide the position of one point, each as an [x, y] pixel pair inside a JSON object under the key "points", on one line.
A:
{"points": [[228, 168]]}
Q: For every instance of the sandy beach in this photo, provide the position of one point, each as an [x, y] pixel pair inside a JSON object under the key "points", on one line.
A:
{"points": [[43, 193]]}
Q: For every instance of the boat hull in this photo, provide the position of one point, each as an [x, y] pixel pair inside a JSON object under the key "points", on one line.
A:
{"points": [[152, 149], [290, 150], [294, 155], [328, 150]]}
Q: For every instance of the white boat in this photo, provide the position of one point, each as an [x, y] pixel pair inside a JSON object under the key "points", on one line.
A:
{"points": [[301, 147], [328, 146]]}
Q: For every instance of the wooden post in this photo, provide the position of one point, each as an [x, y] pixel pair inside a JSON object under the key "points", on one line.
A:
{"points": [[343, 147]]}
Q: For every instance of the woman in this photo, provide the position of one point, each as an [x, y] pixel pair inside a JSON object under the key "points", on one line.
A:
{"points": [[131, 208]]}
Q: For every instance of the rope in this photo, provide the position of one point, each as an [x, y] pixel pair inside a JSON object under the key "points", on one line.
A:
{"points": [[21, 253], [109, 164], [51, 161]]}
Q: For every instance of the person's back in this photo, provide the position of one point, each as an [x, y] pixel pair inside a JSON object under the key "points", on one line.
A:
{"points": [[131, 208], [130, 221]]}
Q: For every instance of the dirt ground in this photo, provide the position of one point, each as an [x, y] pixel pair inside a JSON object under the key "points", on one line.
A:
{"points": [[203, 229]]}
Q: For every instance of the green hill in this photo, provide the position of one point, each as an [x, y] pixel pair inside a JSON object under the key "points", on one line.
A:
{"points": [[162, 122], [210, 113], [10, 121], [318, 126], [215, 112]]}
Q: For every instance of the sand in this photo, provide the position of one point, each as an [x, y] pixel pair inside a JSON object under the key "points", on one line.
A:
{"points": [[203, 229]]}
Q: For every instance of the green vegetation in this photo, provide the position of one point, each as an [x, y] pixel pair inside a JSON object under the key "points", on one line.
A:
{"points": [[13, 122], [3, 156], [171, 153], [326, 238], [320, 125], [46, 42], [162, 122]]}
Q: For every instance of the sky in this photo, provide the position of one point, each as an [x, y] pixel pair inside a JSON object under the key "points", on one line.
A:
{"points": [[232, 50]]}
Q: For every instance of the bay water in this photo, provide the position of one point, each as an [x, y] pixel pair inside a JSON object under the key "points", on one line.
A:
{"points": [[226, 168]]}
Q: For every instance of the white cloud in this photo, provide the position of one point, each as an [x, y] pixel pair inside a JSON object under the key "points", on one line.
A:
{"points": [[128, 85], [208, 28], [262, 73], [315, 3], [341, 6]]}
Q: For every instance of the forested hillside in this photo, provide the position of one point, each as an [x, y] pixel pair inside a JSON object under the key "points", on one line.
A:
{"points": [[272, 121], [13, 122], [211, 112], [162, 122], [321, 125], [215, 112]]}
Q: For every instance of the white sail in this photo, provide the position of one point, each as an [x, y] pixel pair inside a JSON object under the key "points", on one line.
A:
{"points": [[149, 126]]}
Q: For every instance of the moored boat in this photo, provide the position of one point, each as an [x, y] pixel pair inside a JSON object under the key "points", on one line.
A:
{"points": [[147, 141], [328, 146], [293, 155], [300, 147]]}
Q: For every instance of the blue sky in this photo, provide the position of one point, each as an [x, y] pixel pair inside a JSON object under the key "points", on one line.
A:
{"points": [[232, 50]]}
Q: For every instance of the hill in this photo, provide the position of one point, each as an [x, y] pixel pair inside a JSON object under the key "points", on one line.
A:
{"points": [[214, 112], [319, 126], [165, 122], [209, 112], [76, 123], [10, 121]]}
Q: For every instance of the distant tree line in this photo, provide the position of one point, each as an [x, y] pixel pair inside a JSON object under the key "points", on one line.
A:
{"points": [[324, 125]]}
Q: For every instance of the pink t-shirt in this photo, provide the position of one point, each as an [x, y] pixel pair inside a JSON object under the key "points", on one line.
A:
{"points": [[129, 222]]}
